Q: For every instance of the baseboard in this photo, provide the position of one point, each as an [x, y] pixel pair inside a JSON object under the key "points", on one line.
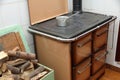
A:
{"points": [[112, 67]]}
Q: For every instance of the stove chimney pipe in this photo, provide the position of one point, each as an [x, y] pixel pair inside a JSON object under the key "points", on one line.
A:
{"points": [[77, 6]]}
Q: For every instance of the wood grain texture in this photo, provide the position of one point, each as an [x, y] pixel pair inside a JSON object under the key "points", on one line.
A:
{"points": [[110, 75], [41, 10], [21, 45], [10, 41]]}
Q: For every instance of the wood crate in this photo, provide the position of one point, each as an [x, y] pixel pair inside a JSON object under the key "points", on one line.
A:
{"points": [[10, 41], [13, 36], [50, 75]]}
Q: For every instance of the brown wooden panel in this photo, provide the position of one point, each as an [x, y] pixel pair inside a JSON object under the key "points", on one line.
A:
{"points": [[81, 49], [110, 75], [100, 37], [82, 71], [21, 45], [41, 10], [98, 60], [56, 55], [10, 41]]}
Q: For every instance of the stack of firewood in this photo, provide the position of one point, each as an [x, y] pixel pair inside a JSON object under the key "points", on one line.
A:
{"points": [[18, 65]]}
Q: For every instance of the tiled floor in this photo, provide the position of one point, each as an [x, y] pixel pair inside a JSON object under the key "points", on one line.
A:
{"points": [[111, 75]]}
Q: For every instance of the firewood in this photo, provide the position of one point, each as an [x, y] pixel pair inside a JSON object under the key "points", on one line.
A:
{"points": [[24, 66], [10, 77], [8, 72], [16, 49], [6, 78], [4, 67], [29, 56], [38, 76], [19, 63], [12, 53], [16, 62], [13, 69], [35, 72], [23, 55], [1, 64], [26, 73], [35, 61], [16, 77], [30, 67], [3, 56]]}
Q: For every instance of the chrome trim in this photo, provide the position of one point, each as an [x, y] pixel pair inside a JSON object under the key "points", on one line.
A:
{"points": [[71, 39]]}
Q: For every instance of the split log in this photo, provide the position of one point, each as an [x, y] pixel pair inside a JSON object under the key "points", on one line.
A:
{"points": [[26, 73], [16, 77], [24, 66], [35, 61], [6, 78], [10, 77], [0, 72], [1, 64], [16, 62], [16, 49], [35, 72], [4, 67], [38, 76], [13, 69], [29, 56], [3, 56], [23, 55], [30, 67]]}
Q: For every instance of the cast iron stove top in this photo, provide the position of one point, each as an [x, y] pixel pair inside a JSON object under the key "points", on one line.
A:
{"points": [[78, 24]]}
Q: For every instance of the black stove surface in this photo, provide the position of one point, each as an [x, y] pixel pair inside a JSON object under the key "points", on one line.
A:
{"points": [[77, 25]]}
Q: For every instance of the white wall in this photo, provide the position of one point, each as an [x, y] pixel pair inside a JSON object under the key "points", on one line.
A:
{"points": [[70, 5], [109, 7], [16, 12]]}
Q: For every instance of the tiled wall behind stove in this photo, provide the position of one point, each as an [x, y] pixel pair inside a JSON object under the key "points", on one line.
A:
{"points": [[16, 12]]}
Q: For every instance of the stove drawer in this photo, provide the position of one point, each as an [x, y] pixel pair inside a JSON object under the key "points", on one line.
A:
{"points": [[100, 37], [82, 71], [81, 49], [99, 74], [98, 60]]}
